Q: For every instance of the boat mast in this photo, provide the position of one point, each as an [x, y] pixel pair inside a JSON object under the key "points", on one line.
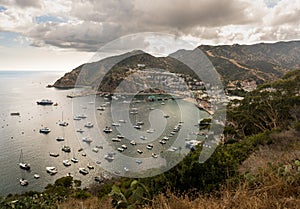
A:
{"points": [[21, 157]]}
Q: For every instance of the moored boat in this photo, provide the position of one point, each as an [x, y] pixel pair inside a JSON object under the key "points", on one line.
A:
{"points": [[74, 160], [53, 154], [154, 155], [66, 163], [66, 148], [132, 142], [120, 149], [87, 139], [51, 170], [45, 130], [36, 176], [80, 130], [45, 102], [83, 171], [109, 157], [107, 130], [60, 139], [90, 166], [25, 166], [115, 139], [23, 182], [89, 125]]}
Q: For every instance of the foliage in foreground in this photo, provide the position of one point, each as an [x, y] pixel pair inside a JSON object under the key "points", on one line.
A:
{"points": [[53, 195]]}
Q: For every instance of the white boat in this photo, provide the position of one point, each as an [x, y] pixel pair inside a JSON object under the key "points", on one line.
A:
{"points": [[149, 146], [151, 130], [107, 130], [66, 148], [95, 149], [132, 142], [23, 182], [83, 171], [162, 103], [126, 169], [101, 108], [74, 160], [124, 146], [89, 125], [162, 141], [114, 97], [83, 154], [165, 138], [45, 130], [173, 149], [139, 151], [115, 139], [120, 149], [82, 116], [109, 157], [25, 166], [60, 139], [140, 123], [66, 162], [90, 166], [133, 112], [154, 155], [172, 133], [53, 154], [63, 123], [137, 126], [51, 170], [87, 139], [76, 118], [36, 176], [104, 104], [143, 137], [116, 124], [122, 121]]}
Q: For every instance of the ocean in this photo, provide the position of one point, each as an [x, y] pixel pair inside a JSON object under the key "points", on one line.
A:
{"points": [[19, 92]]}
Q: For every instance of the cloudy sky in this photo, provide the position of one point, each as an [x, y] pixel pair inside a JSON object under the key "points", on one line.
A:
{"points": [[61, 34]]}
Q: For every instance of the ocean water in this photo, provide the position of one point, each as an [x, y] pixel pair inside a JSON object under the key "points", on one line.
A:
{"points": [[19, 92]]}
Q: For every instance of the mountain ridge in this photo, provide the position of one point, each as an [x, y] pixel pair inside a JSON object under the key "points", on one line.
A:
{"points": [[258, 62]]}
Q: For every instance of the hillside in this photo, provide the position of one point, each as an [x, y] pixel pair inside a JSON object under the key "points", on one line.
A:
{"points": [[264, 61], [259, 62]]}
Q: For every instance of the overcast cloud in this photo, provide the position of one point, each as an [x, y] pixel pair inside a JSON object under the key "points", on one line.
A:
{"points": [[89, 24]]}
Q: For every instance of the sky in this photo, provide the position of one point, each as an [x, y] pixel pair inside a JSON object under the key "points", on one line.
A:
{"points": [[62, 34]]}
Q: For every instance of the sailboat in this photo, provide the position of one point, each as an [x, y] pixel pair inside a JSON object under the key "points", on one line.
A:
{"points": [[62, 122], [25, 166]]}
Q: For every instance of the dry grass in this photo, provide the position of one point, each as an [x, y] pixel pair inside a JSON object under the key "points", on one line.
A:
{"points": [[285, 147], [90, 203], [266, 196]]}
